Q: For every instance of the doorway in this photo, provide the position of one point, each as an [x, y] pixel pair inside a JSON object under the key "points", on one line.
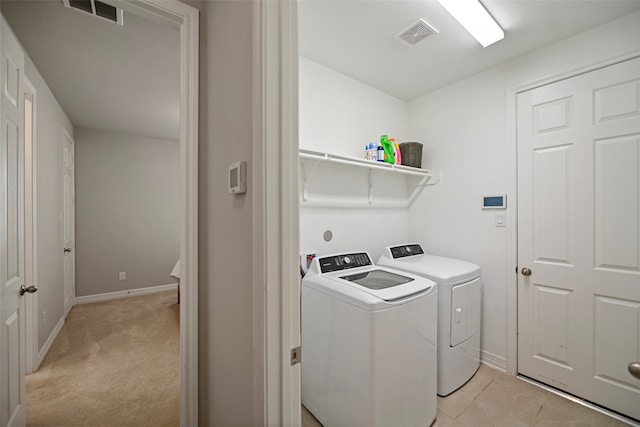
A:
{"points": [[186, 18]]}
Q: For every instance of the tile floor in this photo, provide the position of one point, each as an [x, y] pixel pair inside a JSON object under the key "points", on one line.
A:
{"points": [[493, 398]]}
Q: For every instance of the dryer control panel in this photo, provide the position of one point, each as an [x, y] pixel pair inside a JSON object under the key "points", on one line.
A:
{"points": [[406, 250], [344, 262]]}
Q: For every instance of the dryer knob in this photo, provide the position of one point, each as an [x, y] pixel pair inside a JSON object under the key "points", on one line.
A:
{"points": [[347, 260]]}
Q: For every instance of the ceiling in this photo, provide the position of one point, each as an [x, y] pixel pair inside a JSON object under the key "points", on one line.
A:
{"points": [[356, 37], [116, 78], [126, 79]]}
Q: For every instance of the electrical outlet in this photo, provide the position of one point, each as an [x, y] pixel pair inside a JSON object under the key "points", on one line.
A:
{"points": [[122, 275], [44, 318]]}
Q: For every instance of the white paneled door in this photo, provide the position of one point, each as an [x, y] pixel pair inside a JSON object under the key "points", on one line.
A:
{"points": [[68, 229], [12, 318], [579, 235]]}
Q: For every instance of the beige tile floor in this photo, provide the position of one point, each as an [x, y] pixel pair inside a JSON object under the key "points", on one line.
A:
{"points": [[493, 398]]}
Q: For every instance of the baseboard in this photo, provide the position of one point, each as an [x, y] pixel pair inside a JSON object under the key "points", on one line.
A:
{"points": [[47, 345], [124, 294], [493, 360]]}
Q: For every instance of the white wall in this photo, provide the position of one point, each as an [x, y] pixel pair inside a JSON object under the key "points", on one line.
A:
{"points": [[341, 115], [464, 129], [127, 217], [49, 119], [337, 201]]}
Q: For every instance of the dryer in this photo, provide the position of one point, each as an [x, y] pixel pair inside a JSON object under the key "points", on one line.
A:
{"points": [[369, 338], [459, 307]]}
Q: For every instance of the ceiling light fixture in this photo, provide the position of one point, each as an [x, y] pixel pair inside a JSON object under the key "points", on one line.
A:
{"points": [[475, 19]]}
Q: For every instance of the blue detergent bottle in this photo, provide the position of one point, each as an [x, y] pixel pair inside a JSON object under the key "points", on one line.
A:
{"points": [[380, 153]]}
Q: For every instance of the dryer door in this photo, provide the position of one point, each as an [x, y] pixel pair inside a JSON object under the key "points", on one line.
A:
{"points": [[465, 311]]}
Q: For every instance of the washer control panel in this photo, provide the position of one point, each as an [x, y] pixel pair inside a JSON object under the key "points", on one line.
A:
{"points": [[406, 250], [344, 262]]}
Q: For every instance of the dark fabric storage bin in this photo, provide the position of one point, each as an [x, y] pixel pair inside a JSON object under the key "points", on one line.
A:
{"points": [[411, 154]]}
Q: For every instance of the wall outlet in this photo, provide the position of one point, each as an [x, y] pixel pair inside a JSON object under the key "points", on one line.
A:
{"points": [[122, 275], [44, 318]]}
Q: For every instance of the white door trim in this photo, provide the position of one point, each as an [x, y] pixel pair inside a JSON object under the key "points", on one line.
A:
{"points": [[512, 185], [187, 18], [31, 304], [275, 214], [67, 306]]}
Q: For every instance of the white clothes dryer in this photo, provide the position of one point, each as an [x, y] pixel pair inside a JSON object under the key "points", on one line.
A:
{"points": [[369, 339], [459, 307]]}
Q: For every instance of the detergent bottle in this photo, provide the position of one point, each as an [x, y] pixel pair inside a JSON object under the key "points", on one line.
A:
{"points": [[396, 150], [389, 156]]}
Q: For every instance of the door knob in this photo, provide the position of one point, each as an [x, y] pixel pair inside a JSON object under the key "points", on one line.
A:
{"points": [[634, 369], [32, 289], [526, 271], [67, 249]]}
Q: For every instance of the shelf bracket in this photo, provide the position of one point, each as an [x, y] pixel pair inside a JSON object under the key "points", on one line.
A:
{"points": [[435, 178], [305, 194], [430, 180], [370, 188]]}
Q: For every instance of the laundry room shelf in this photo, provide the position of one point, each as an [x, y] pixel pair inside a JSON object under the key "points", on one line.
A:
{"points": [[417, 178]]}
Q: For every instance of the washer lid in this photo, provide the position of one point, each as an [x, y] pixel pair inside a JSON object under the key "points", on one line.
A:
{"points": [[439, 269], [386, 285]]}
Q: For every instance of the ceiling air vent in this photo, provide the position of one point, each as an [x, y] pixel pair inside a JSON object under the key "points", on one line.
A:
{"points": [[416, 32], [97, 9]]}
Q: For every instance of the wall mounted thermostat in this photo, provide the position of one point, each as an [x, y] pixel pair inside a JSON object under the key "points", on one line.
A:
{"points": [[496, 201], [238, 177]]}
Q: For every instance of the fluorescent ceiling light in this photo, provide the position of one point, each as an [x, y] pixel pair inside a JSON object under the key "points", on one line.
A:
{"points": [[475, 19]]}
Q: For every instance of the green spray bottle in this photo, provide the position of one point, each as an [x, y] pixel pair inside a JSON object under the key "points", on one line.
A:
{"points": [[389, 150]]}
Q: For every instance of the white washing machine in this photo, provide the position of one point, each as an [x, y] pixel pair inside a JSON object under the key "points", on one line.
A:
{"points": [[369, 339], [459, 305]]}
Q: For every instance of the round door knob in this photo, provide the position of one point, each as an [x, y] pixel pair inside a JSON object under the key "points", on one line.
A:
{"points": [[634, 369], [526, 271], [31, 289]]}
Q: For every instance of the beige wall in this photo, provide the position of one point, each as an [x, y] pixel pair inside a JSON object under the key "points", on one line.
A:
{"points": [[127, 218], [225, 266]]}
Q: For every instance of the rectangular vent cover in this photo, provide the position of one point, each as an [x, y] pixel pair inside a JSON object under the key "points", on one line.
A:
{"points": [[416, 32], [97, 9]]}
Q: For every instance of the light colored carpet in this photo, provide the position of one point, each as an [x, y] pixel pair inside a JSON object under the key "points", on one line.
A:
{"points": [[115, 363]]}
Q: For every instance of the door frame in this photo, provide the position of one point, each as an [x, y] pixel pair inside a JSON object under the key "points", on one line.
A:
{"points": [[187, 18], [31, 304], [275, 218], [67, 308], [512, 186]]}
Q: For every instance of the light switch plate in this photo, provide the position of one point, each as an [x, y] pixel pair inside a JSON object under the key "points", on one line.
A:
{"points": [[500, 220]]}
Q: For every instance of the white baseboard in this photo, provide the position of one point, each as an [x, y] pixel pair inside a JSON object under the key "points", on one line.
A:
{"points": [[47, 345], [493, 360], [124, 294]]}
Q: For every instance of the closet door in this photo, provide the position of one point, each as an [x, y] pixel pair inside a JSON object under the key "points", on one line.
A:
{"points": [[579, 235]]}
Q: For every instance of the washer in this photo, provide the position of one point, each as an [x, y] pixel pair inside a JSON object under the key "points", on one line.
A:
{"points": [[459, 305], [369, 337]]}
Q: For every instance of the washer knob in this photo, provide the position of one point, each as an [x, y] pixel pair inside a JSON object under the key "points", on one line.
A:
{"points": [[347, 260]]}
